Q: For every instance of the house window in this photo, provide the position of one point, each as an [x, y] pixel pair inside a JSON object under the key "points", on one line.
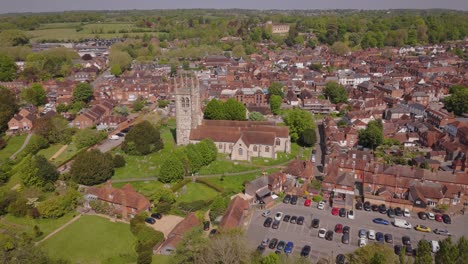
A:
{"points": [[431, 203], [255, 148], [278, 142], [220, 146], [267, 149], [241, 151]]}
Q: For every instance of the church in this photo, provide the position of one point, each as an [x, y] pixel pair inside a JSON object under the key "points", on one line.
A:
{"points": [[242, 140]]}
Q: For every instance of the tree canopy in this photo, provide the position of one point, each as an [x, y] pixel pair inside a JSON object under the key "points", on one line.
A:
{"points": [[83, 92], [298, 121], [457, 102], [7, 68], [55, 129], [275, 104], [172, 170], [372, 136], [373, 253], [256, 116], [49, 63], [229, 110], [37, 171], [276, 88], [34, 95], [335, 93], [8, 107], [92, 167], [142, 139]]}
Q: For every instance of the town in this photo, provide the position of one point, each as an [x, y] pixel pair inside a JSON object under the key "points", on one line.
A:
{"points": [[134, 147]]}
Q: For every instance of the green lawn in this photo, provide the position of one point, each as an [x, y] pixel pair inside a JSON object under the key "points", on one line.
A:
{"points": [[146, 188], [235, 182], [195, 191], [26, 224], [13, 144], [284, 157], [161, 259], [69, 152], [50, 151], [223, 165], [92, 239]]}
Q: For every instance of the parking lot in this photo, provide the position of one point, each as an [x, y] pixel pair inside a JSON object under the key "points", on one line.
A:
{"points": [[302, 235]]}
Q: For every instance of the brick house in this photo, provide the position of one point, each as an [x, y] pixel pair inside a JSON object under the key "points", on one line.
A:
{"points": [[23, 121], [177, 234], [235, 213]]}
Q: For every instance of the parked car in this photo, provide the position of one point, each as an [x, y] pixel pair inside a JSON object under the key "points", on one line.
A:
{"points": [[397, 249], [120, 134], [294, 200], [281, 245], [346, 230], [307, 202], [402, 223], [114, 137], [335, 211], [379, 236], [375, 208], [422, 228], [422, 215], [367, 206], [293, 219], [156, 215], [206, 225], [409, 250], [381, 221], [329, 235], [351, 214], [382, 209], [278, 216], [342, 212], [305, 251], [389, 238], [273, 243], [261, 249], [446, 218], [268, 222], [286, 218], [362, 233], [430, 216], [443, 232], [300, 220], [289, 247], [321, 205], [391, 213], [358, 206], [338, 228], [275, 224], [278, 252], [345, 239], [316, 223], [287, 199], [265, 241], [406, 213], [398, 211], [340, 259], [438, 218], [213, 232], [322, 232], [362, 242], [406, 240], [371, 234], [150, 220], [266, 213]]}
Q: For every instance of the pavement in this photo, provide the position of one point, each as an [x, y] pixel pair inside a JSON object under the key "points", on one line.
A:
{"points": [[302, 235]]}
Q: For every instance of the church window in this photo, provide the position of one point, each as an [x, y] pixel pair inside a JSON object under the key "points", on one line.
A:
{"points": [[278, 142], [183, 101], [267, 149], [187, 102], [255, 148], [241, 151], [220, 146]]}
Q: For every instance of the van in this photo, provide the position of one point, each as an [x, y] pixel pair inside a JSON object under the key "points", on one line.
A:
{"points": [[402, 223], [435, 246], [114, 137]]}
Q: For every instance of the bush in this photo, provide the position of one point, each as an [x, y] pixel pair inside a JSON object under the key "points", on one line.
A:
{"points": [[19, 208], [88, 137], [317, 198], [163, 207], [180, 184], [194, 205], [142, 139], [218, 207], [214, 186], [119, 161]]}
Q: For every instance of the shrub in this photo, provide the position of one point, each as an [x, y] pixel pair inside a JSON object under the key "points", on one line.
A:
{"points": [[317, 198], [194, 205], [212, 185], [119, 161], [180, 184]]}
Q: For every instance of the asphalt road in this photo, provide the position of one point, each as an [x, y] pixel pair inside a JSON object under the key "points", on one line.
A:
{"points": [[321, 248]]}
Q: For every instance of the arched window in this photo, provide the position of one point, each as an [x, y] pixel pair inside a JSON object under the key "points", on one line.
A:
{"points": [[241, 151], [187, 102], [255, 148], [182, 100], [267, 149], [278, 142]]}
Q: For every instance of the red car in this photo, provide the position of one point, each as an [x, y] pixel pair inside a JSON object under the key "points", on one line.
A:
{"points": [[339, 228], [335, 211], [438, 218], [307, 202]]}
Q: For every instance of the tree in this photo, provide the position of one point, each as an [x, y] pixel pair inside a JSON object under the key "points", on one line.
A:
{"points": [[83, 92], [13, 37], [55, 129], [298, 121], [163, 103], [339, 48], [238, 51], [448, 252], [373, 254], [7, 69], [256, 116], [142, 139], [116, 70], [193, 245], [275, 104], [120, 58], [92, 167], [139, 104], [276, 88], [214, 110], [172, 170], [423, 253], [457, 102], [234, 110], [372, 136], [335, 92], [308, 137], [119, 161], [37, 171], [8, 107], [19, 207], [61, 108], [218, 207], [463, 250], [88, 137], [35, 94]]}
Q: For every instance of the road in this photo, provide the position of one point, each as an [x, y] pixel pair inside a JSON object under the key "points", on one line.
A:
{"points": [[321, 248], [319, 150]]}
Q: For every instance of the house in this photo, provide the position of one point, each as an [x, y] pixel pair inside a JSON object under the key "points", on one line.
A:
{"points": [[94, 115], [177, 234], [303, 169], [125, 201], [23, 121], [235, 213]]}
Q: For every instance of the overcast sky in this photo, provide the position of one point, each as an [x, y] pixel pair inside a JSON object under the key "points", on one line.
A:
{"points": [[8, 6]]}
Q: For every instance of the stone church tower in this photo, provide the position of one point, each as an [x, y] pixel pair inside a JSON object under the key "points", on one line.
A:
{"points": [[188, 108]]}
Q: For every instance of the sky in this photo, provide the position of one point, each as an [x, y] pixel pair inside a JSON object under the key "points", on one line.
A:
{"points": [[10, 6]]}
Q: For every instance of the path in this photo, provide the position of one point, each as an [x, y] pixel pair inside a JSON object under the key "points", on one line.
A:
{"points": [[62, 149], [58, 229], [25, 143]]}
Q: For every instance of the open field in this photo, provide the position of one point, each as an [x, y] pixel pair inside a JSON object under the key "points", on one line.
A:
{"points": [[296, 151], [224, 165], [50, 151], [195, 191], [69, 152], [235, 182], [92, 239], [144, 187], [13, 144]]}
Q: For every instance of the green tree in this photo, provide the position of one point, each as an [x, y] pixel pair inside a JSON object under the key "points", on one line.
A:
{"points": [[142, 139], [116, 70], [83, 92], [172, 170], [35, 94], [92, 167], [271, 258], [194, 157], [119, 58], [119, 161], [462, 245], [276, 88], [61, 108], [7, 69], [298, 121], [256, 116], [373, 254], [163, 103], [214, 110], [55, 129], [339, 48], [218, 207], [238, 51], [19, 207], [372, 136], [234, 110], [8, 107], [448, 253], [275, 104], [308, 137], [423, 253], [335, 92], [139, 104], [13, 37], [457, 102], [88, 137]]}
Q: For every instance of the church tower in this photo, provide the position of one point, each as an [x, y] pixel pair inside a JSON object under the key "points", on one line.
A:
{"points": [[188, 108]]}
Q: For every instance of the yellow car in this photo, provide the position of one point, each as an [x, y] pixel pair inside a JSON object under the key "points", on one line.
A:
{"points": [[423, 228]]}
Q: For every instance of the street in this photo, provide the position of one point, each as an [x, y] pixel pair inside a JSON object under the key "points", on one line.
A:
{"points": [[302, 235]]}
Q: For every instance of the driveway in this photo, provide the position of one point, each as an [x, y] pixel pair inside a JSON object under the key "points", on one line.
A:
{"points": [[321, 248], [166, 224]]}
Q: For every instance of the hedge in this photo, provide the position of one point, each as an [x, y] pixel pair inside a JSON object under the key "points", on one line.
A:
{"points": [[194, 205], [180, 184], [212, 185]]}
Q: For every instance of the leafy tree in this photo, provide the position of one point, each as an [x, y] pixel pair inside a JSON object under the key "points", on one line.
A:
{"points": [[276, 88], [83, 92], [92, 167], [37, 171], [121, 110], [256, 116], [372, 136], [457, 102], [271, 258], [7, 69], [8, 107], [49, 63], [139, 104], [35, 144], [61, 108], [234, 110], [88, 137], [142, 139], [119, 161], [58, 205], [339, 48], [463, 250], [238, 51], [13, 37], [298, 121], [19, 207], [120, 58], [335, 92], [35, 95], [448, 253], [172, 170], [55, 129], [207, 150], [195, 158], [373, 254], [163, 103], [423, 253], [116, 70], [308, 137], [275, 104], [214, 110], [218, 207]]}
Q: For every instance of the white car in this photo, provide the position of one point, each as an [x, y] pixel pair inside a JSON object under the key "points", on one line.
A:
{"points": [[351, 214], [266, 213], [321, 205], [114, 137], [278, 216], [322, 232], [430, 216], [362, 242], [406, 213], [371, 234]]}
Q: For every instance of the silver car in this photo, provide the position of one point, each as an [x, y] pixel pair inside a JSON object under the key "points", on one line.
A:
{"points": [[362, 233]]}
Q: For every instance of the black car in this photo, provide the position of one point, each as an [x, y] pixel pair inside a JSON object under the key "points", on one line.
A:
{"points": [[346, 230], [345, 238], [375, 207], [397, 249], [287, 199], [305, 251], [261, 248], [382, 209], [300, 220], [294, 200], [273, 243], [213, 232], [206, 225], [388, 238], [446, 218], [398, 211], [358, 206], [406, 240], [275, 224], [409, 250], [379, 236], [367, 206], [391, 213], [329, 235], [422, 215], [278, 252], [281, 245], [120, 134], [293, 219], [286, 218], [342, 212], [150, 220], [156, 215], [268, 222], [316, 223], [340, 259]]}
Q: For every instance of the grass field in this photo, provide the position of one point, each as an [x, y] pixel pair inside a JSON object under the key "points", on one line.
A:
{"points": [[26, 224], [13, 144], [69, 152], [161, 259], [92, 239], [223, 165], [284, 157], [146, 188], [50, 151], [194, 192], [235, 183]]}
